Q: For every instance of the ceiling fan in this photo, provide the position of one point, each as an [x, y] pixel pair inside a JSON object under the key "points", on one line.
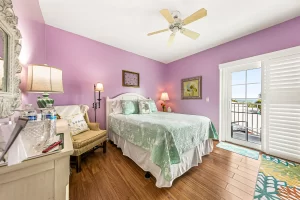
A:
{"points": [[176, 24]]}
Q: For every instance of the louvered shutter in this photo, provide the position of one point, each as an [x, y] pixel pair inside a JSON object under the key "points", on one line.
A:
{"points": [[281, 104]]}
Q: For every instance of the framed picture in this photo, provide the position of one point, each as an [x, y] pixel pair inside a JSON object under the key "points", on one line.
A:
{"points": [[130, 79], [191, 88]]}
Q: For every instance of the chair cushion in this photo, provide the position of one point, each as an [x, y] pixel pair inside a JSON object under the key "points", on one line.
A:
{"points": [[77, 124], [87, 137]]}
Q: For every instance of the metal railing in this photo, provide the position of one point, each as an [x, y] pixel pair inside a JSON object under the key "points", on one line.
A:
{"points": [[246, 120]]}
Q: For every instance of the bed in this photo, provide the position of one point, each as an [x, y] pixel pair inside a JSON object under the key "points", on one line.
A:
{"points": [[164, 144]]}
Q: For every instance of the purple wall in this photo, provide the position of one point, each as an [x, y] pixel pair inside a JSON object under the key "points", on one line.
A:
{"points": [[31, 25], [206, 64], [85, 62]]}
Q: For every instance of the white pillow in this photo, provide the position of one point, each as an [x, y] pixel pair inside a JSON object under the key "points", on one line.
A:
{"points": [[77, 124], [144, 107], [116, 107]]}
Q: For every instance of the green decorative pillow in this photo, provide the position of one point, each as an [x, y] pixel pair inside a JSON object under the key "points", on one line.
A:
{"points": [[144, 107], [153, 107], [129, 107]]}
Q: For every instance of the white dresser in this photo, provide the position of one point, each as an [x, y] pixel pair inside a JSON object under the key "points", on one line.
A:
{"points": [[42, 178]]}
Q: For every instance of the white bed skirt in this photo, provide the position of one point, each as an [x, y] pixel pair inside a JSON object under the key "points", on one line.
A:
{"points": [[142, 158]]}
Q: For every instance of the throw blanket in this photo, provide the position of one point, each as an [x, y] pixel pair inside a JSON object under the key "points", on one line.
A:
{"points": [[165, 135]]}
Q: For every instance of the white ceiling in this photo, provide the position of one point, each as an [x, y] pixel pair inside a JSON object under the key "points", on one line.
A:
{"points": [[125, 23]]}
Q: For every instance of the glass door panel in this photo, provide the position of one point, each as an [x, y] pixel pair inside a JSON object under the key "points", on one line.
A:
{"points": [[246, 105]]}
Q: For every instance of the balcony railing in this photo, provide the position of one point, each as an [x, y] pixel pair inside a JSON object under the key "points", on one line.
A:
{"points": [[246, 121]]}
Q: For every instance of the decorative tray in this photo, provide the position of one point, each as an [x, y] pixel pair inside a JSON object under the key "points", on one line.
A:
{"points": [[60, 136]]}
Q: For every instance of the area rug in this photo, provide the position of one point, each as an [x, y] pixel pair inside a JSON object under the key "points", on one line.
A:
{"points": [[239, 150], [277, 179]]}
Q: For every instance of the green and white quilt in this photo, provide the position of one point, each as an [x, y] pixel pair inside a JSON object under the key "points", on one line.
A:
{"points": [[166, 135]]}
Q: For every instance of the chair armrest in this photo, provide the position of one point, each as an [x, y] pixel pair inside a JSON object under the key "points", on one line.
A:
{"points": [[94, 126]]}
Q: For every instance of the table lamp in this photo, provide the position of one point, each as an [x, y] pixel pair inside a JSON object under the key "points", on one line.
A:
{"points": [[97, 88], [164, 97], [44, 79]]}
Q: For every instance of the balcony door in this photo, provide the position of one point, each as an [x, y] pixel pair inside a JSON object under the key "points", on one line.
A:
{"points": [[245, 103], [261, 108], [243, 96]]}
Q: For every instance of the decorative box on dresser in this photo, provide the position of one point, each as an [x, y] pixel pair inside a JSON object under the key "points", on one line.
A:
{"points": [[42, 178]]}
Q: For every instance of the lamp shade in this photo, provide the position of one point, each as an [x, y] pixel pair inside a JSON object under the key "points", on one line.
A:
{"points": [[164, 96], [99, 87], [43, 78]]}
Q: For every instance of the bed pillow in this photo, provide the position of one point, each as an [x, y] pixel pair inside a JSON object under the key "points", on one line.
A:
{"points": [[129, 107], [77, 124], [116, 107], [144, 107], [153, 107]]}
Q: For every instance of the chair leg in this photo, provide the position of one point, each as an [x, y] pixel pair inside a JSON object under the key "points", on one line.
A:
{"points": [[78, 163], [104, 147]]}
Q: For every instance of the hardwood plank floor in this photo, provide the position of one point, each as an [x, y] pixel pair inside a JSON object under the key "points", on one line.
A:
{"points": [[222, 175]]}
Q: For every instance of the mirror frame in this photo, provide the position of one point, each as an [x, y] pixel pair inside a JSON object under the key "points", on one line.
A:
{"points": [[11, 98]]}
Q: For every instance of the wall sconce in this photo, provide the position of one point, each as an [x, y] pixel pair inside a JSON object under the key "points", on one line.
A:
{"points": [[97, 88]]}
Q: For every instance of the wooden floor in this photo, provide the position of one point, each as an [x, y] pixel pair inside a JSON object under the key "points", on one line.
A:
{"points": [[222, 175]]}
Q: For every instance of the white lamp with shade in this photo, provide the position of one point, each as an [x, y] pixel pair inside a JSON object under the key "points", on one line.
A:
{"points": [[164, 97], [44, 79], [97, 88]]}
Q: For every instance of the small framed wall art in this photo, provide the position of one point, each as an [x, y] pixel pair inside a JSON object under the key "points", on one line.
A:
{"points": [[191, 88], [130, 79]]}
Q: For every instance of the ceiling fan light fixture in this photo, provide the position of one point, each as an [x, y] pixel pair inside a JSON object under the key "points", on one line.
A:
{"points": [[175, 29], [176, 15], [176, 23]]}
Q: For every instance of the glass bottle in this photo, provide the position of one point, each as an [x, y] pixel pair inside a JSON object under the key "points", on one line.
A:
{"points": [[51, 116], [30, 113]]}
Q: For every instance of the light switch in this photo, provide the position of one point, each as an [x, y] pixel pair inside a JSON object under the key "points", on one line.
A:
{"points": [[207, 99]]}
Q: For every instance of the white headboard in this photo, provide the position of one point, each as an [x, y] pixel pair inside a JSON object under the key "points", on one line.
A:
{"points": [[125, 96]]}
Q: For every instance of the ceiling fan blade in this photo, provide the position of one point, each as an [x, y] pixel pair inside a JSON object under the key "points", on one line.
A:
{"points": [[197, 15], [171, 39], [191, 34], [156, 32], [167, 15]]}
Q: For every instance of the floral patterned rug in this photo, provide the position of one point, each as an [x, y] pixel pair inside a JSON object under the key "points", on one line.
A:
{"points": [[277, 179]]}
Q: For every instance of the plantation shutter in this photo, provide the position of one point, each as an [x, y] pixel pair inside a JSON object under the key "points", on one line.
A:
{"points": [[281, 104]]}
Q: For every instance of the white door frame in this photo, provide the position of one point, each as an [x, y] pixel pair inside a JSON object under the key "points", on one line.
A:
{"points": [[225, 82], [226, 86]]}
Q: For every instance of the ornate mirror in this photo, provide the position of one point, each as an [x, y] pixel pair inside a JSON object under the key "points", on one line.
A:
{"points": [[10, 68]]}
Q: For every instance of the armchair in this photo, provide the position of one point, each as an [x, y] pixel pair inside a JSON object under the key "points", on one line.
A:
{"points": [[85, 141]]}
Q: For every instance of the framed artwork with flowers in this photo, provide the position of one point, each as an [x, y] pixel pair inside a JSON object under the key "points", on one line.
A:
{"points": [[130, 79], [191, 88]]}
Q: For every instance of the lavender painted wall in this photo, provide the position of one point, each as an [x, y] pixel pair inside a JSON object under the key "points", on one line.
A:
{"points": [[85, 62], [31, 25], [206, 64]]}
